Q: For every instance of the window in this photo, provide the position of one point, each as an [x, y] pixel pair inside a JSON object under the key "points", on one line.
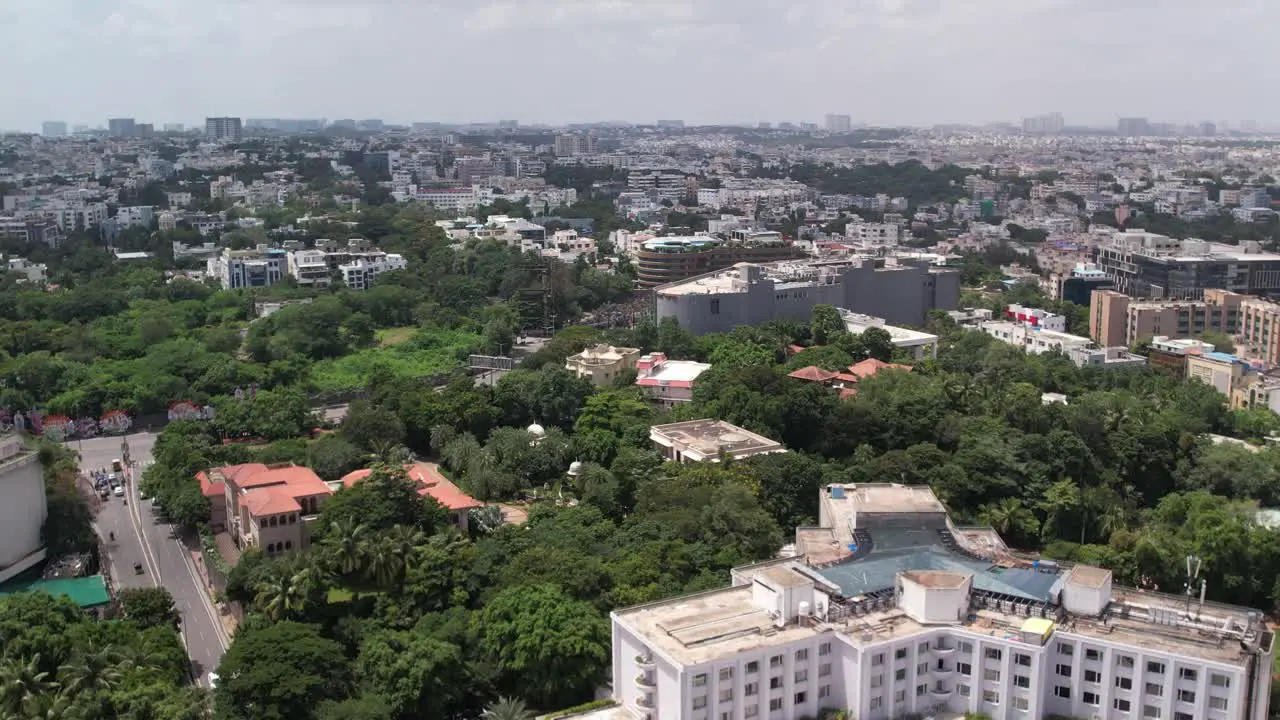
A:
{"points": [[1124, 661], [1221, 681], [1155, 667], [802, 654], [752, 711], [877, 703], [1023, 660], [964, 668], [900, 654], [1155, 689], [726, 695], [966, 646], [700, 679], [1065, 648], [1150, 711], [900, 674], [1090, 698], [802, 675], [991, 675], [1021, 681], [824, 669], [1092, 676], [726, 716], [922, 647], [750, 689], [1064, 670], [1092, 654], [775, 704], [726, 674], [293, 519], [799, 698], [991, 696], [1217, 703], [1187, 674], [824, 649], [824, 691], [272, 521], [1182, 716], [1121, 705], [1062, 691], [900, 696], [994, 654], [1187, 696], [877, 659], [775, 682], [922, 668], [288, 544], [963, 690], [1020, 703], [715, 307], [775, 661], [921, 690], [753, 666], [1124, 683], [877, 681], [699, 702]]}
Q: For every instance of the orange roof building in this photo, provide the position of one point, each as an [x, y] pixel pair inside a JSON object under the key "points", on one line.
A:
{"points": [[265, 506], [813, 373], [431, 483], [871, 366]]}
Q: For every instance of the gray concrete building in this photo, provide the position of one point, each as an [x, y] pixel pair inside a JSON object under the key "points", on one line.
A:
{"points": [[750, 294]]}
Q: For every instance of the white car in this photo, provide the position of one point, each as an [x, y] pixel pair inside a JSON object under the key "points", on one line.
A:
{"points": [[118, 491]]}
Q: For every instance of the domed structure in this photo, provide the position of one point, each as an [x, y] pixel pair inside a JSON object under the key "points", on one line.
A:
{"points": [[575, 468], [537, 430]]}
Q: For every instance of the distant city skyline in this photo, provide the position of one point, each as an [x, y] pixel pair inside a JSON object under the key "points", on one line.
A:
{"points": [[882, 62]]}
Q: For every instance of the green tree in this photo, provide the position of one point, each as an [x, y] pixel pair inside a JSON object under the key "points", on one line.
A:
{"points": [[418, 675], [332, 457], [826, 325], [279, 671], [149, 607], [505, 708]]}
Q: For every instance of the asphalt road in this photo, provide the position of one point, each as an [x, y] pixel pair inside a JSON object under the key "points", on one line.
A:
{"points": [[141, 538]]}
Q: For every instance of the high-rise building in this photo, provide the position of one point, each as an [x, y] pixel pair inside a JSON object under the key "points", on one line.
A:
{"points": [[222, 128], [671, 124], [1133, 127], [838, 123], [1117, 319], [570, 145], [1049, 124], [53, 128], [122, 127], [1208, 129], [174, 127]]}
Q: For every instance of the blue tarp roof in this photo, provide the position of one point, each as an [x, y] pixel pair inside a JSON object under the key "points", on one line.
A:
{"points": [[895, 551]]}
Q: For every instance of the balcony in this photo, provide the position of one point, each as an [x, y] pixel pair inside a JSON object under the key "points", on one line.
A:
{"points": [[645, 701], [644, 662], [944, 671], [940, 690], [943, 650], [644, 682]]}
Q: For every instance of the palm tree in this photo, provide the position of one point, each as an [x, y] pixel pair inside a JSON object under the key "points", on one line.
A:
{"points": [[50, 706], [282, 594], [404, 542], [22, 680], [382, 562], [344, 544], [507, 709], [1009, 516], [91, 670]]}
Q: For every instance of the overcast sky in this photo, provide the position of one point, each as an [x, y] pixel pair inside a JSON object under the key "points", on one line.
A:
{"points": [[881, 61]]}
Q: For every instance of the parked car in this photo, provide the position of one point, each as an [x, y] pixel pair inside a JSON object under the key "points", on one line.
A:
{"points": [[118, 491]]}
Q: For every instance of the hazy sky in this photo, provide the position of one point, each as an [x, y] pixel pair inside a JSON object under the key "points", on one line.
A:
{"points": [[881, 61]]}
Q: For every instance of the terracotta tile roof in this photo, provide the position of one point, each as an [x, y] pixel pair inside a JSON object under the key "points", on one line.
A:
{"points": [[846, 378], [210, 488], [301, 480], [847, 393], [272, 500], [871, 366], [813, 373], [430, 482]]}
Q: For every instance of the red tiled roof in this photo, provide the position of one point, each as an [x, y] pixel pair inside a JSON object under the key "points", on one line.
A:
{"points": [[210, 488], [213, 488], [301, 480], [813, 373], [846, 378], [270, 501], [871, 366], [430, 482], [847, 393]]}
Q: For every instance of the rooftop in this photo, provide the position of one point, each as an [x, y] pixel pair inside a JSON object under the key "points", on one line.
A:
{"points": [[430, 483], [709, 437], [86, 592]]}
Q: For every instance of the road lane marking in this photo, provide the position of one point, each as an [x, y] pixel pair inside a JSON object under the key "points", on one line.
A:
{"points": [[223, 639]]}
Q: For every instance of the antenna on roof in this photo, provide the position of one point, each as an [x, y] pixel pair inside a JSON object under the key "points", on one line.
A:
{"points": [[1193, 574]]}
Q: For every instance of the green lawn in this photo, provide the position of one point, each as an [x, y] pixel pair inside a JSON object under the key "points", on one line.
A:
{"points": [[420, 354], [395, 336], [339, 595]]}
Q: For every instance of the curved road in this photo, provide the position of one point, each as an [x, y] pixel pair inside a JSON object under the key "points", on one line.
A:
{"points": [[140, 537]]}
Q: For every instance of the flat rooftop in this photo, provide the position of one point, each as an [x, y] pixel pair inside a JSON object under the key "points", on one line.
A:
{"points": [[886, 498], [708, 437], [673, 371]]}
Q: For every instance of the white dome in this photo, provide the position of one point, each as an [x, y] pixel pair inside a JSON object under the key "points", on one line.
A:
{"points": [[575, 467], [536, 429]]}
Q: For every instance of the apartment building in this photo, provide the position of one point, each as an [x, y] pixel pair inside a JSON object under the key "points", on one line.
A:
{"points": [[668, 382], [1082, 350], [1223, 371], [360, 274], [1117, 319], [571, 145], [35, 273], [23, 507], [222, 128], [1171, 353], [889, 610], [248, 268], [31, 231], [1037, 317], [602, 364], [1258, 331], [708, 440], [1149, 265], [902, 292]]}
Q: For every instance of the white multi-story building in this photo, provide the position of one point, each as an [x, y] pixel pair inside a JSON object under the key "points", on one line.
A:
{"points": [[248, 268], [878, 234], [23, 507], [310, 268], [361, 273], [1082, 350], [890, 610]]}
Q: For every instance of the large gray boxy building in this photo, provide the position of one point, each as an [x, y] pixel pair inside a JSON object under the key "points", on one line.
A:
{"points": [[750, 294]]}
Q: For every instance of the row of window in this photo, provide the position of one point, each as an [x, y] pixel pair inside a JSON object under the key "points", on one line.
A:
{"points": [[273, 548], [775, 704], [801, 655], [1154, 667]]}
